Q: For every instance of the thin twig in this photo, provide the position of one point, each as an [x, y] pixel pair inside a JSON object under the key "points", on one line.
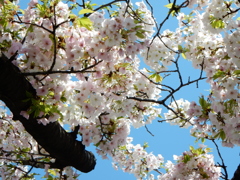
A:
{"points": [[220, 156], [149, 131]]}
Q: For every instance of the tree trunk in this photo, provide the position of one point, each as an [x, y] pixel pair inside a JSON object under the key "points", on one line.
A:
{"points": [[237, 174], [53, 138]]}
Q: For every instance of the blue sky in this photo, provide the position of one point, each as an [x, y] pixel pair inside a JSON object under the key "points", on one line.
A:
{"points": [[168, 140]]}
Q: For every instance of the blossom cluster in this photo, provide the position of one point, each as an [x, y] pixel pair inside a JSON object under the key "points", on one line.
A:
{"points": [[177, 114], [100, 60], [210, 40], [109, 48], [14, 141], [211, 48], [135, 159], [193, 164], [210, 37]]}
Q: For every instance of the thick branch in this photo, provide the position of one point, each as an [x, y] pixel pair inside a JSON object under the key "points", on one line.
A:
{"points": [[237, 174], [53, 138]]}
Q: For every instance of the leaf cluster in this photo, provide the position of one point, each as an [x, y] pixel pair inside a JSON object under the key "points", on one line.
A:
{"points": [[216, 22], [173, 8], [39, 105]]}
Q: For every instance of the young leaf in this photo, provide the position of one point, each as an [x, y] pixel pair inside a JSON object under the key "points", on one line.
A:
{"points": [[145, 145], [222, 135], [236, 72], [85, 11], [183, 55], [180, 48], [158, 78], [202, 102], [152, 76], [140, 35], [218, 74], [186, 158], [85, 22], [169, 6]]}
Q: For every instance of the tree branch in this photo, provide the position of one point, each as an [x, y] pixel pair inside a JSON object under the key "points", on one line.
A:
{"points": [[236, 175], [52, 137], [220, 156]]}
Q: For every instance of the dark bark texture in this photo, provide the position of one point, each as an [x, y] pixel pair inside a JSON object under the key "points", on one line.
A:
{"points": [[53, 138], [237, 174]]}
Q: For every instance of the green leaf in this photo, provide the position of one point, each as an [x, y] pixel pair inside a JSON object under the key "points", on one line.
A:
{"points": [[216, 136], [174, 12], [51, 93], [52, 171], [208, 149], [3, 22], [152, 76], [47, 109], [124, 64], [98, 144], [123, 148], [85, 11], [114, 13], [218, 74], [137, 21], [204, 174], [50, 177], [89, 6], [140, 35], [180, 48], [36, 113], [30, 29], [145, 145], [22, 11], [26, 149], [169, 6], [222, 135], [203, 102], [200, 151], [220, 24], [230, 106], [186, 158], [216, 23], [85, 22], [159, 115], [183, 55], [63, 99], [158, 78], [40, 7], [72, 16], [236, 72]]}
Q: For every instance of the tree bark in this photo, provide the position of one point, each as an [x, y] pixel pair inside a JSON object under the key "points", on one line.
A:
{"points": [[52, 137], [237, 174]]}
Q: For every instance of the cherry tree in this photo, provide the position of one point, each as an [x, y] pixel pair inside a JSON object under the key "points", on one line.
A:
{"points": [[67, 64]]}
